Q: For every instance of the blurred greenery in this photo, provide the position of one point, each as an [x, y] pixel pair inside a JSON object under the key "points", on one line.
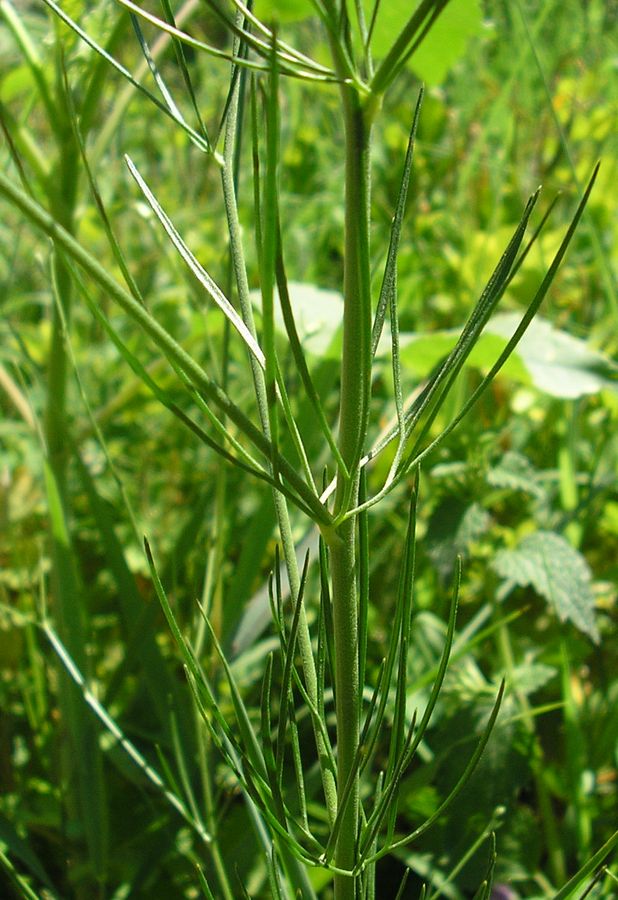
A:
{"points": [[527, 94]]}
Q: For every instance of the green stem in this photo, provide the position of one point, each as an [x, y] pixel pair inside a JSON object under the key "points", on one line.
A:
{"points": [[281, 508], [85, 795], [353, 416]]}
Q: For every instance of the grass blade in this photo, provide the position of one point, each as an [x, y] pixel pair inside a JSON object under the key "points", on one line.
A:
{"points": [[442, 667]]}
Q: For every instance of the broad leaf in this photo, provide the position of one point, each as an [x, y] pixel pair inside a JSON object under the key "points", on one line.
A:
{"points": [[283, 10], [551, 360], [445, 43], [559, 364], [556, 571], [318, 315]]}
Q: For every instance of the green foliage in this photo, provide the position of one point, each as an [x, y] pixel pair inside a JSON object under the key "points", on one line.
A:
{"points": [[445, 44], [176, 727], [557, 572]]}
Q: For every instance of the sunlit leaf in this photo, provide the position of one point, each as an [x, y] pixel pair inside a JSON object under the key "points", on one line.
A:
{"points": [[558, 364], [445, 43], [283, 10], [552, 360], [556, 571]]}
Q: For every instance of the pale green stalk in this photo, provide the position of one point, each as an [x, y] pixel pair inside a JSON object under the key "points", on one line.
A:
{"points": [[281, 508], [353, 416]]}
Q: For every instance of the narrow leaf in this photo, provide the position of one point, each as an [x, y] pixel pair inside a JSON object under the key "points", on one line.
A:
{"points": [[195, 137], [390, 269], [114, 729], [214, 292]]}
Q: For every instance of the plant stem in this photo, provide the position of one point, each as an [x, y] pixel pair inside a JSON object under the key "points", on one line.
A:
{"points": [[281, 508], [353, 415], [85, 798]]}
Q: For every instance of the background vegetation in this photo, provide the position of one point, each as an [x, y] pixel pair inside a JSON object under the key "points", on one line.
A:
{"points": [[518, 93]]}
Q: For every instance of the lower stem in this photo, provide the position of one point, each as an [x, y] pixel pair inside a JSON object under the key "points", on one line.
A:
{"points": [[347, 696]]}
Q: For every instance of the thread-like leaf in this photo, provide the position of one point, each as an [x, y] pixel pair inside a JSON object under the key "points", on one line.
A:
{"points": [[588, 869], [110, 724], [243, 460], [286, 683], [94, 190], [19, 883], [477, 320], [484, 891], [163, 88], [298, 354], [405, 600], [521, 329], [363, 753], [461, 783], [274, 878], [400, 893], [288, 64], [195, 137], [210, 286], [388, 798], [186, 75], [388, 287], [204, 884], [175, 353], [299, 772]]}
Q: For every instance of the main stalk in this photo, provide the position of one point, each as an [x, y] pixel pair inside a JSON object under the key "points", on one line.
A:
{"points": [[353, 415]]}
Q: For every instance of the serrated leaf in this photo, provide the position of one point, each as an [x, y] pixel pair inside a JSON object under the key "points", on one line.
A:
{"points": [[556, 571], [531, 676], [515, 473]]}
